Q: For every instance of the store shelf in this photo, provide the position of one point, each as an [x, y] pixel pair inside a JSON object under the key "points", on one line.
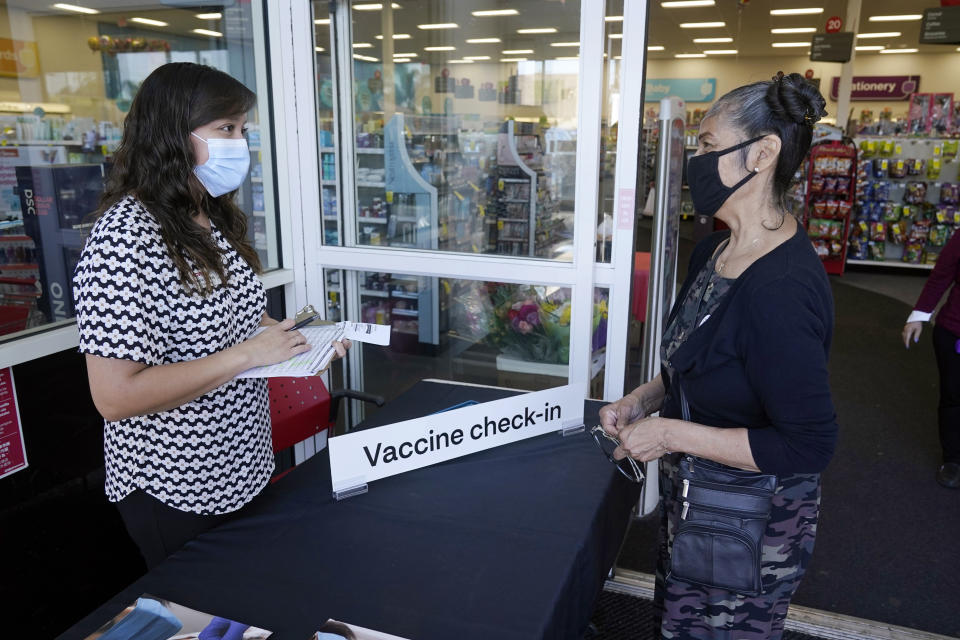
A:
{"points": [[255, 179], [332, 218], [403, 294], [369, 220], [327, 149], [328, 183], [894, 264], [333, 288], [410, 313], [46, 143], [11, 224], [374, 294], [378, 151], [372, 185], [405, 218]]}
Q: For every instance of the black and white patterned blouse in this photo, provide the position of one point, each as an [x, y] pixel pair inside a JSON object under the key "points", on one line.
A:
{"points": [[211, 455]]}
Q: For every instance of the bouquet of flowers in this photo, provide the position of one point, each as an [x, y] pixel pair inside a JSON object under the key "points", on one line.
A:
{"points": [[533, 323]]}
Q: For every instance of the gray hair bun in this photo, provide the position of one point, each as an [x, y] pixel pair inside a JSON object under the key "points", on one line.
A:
{"points": [[791, 98]]}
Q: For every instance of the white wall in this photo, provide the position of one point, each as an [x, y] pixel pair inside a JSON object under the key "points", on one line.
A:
{"points": [[937, 73]]}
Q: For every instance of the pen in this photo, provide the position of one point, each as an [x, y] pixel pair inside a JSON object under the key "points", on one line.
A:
{"points": [[304, 322]]}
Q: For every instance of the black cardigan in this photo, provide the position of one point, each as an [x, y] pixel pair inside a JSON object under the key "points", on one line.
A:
{"points": [[760, 360]]}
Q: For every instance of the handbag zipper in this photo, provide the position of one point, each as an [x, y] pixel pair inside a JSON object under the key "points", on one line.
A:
{"points": [[729, 513], [753, 491]]}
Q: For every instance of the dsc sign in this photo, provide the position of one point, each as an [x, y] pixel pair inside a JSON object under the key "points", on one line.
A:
{"points": [[834, 24]]}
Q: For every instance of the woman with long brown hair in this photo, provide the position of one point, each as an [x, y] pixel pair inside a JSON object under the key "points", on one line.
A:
{"points": [[169, 309]]}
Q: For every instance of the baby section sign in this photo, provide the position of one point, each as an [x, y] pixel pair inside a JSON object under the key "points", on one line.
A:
{"points": [[359, 458]]}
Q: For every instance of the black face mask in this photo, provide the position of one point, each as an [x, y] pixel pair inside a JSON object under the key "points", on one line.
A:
{"points": [[703, 174]]}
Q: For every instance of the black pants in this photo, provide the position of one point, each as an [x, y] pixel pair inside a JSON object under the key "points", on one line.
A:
{"points": [[160, 530], [948, 363]]}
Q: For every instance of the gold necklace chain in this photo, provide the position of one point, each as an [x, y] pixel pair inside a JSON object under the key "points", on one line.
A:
{"points": [[721, 265]]}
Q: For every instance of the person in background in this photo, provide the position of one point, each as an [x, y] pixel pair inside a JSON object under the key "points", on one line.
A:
{"points": [[749, 334], [170, 310], [946, 347]]}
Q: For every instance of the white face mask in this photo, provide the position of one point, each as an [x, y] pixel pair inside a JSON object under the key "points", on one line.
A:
{"points": [[226, 166]]}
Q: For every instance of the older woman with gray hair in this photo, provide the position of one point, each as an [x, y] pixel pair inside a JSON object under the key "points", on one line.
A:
{"points": [[744, 388]]}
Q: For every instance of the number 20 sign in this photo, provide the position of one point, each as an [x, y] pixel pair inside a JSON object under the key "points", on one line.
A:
{"points": [[834, 24]]}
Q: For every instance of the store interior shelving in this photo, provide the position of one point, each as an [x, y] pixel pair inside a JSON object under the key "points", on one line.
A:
{"points": [[908, 192]]}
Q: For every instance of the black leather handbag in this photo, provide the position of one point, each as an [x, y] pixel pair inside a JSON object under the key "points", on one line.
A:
{"points": [[724, 514]]}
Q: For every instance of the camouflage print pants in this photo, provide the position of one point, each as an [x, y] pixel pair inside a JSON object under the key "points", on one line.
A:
{"points": [[689, 611]]}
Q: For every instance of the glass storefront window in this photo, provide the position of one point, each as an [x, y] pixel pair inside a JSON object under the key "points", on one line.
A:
{"points": [[465, 126], [68, 74]]}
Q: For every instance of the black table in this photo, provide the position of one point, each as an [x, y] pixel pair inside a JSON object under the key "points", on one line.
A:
{"points": [[513, 542]]}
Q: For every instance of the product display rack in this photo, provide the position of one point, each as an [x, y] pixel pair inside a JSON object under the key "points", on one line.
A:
{"points": [[521, 202], [907, 201], [831, 185]]}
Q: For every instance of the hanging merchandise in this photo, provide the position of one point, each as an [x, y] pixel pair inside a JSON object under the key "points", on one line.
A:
{"points": [[912, 194], [829, 201]]}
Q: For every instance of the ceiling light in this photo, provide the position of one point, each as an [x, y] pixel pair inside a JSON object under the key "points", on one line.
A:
{"points": [[899, 50], [439, 25], [613, 19], [870, 47], [439, 48], [883, 34], [402, 60], [795, 30], [615, 36], [152, 23], [404, 55], [476, 57], [217, 16], [679, 4], [689, 55], [618, 57], [318, 49], [75, 8], [796, 12], [540, 30], [483, 40], [903, 18], [320, 21], [496, 12], [783, 45], [396, 36], [362, 45], [516, 51], [712, 40], [568, 58], [513, 59], [459, 61], [365, 58], [564, 44], [374, 6], [720, 52], [207, 32], [702, 25], [655, 47]]}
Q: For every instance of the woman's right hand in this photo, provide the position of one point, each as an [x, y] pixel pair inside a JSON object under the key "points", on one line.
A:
{"points": [[911, 333], [637, 404], [275, 343]]}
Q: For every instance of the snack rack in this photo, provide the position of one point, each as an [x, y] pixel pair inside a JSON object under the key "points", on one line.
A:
{"points": [[908, 192], [831, 185]]}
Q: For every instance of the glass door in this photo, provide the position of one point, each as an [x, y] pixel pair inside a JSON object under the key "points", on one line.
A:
{"points": [[450, 136]]}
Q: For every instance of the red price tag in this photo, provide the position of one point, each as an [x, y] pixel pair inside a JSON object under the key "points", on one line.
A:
{"points": [[834, 24]]}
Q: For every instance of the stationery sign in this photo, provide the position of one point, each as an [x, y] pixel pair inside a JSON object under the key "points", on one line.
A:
{"points": [[361, 457], [941, 25], [13, 456], [878, 87], [688, 89]]}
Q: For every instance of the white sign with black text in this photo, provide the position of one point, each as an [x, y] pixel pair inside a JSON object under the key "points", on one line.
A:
{"points": [[359, 458]]}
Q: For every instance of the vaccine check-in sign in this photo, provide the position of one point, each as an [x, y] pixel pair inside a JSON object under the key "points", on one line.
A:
{"points": [[359, 458]]}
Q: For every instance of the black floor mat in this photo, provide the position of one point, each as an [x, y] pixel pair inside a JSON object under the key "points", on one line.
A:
{"points": [[619, 616]]}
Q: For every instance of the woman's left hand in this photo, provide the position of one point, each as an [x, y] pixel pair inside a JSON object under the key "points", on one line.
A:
{"points": [[341, 349], [643, 440]]}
